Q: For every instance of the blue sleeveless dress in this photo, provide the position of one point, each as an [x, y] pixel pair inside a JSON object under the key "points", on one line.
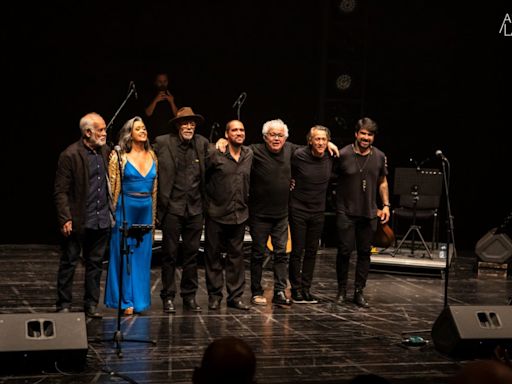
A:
{"points": [[136, 290]]}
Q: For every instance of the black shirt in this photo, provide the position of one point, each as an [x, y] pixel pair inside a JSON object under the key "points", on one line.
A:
{"points": [[311, 175], [227, 185], [186, 196], [270, 181], [97, 214], [357, 179]]}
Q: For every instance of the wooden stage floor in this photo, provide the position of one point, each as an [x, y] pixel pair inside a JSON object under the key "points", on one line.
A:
{"points": [[317, 343]]}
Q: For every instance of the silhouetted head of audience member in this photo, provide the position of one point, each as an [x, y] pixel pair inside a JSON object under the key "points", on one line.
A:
{"points": [[484, 372], [369, 378], [227, 360]]}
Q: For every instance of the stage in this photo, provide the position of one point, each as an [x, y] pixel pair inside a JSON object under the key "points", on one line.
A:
{"points": [[417, 260], [314, 343]]}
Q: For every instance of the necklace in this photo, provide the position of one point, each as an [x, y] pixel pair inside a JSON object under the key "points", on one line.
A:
{"points": [[362, 168]]}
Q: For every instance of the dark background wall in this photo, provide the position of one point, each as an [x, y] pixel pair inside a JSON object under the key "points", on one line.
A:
{"points": [[435, 76]]}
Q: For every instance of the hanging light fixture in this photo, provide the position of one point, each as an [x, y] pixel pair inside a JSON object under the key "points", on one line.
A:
{"points": [[343, 82], [347, 6]]}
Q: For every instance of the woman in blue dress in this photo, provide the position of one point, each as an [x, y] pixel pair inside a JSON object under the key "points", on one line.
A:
{"points": [[132, 171]]}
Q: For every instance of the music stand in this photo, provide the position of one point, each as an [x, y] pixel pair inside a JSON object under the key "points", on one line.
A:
{"points": [[416, 182], [135, 231]]}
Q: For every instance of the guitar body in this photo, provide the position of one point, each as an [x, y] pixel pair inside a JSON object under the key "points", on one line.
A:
{"points": [[288, 243], [384, 236]]}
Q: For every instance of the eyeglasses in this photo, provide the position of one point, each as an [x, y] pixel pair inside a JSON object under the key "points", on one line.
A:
{"points": [[275, 135]]}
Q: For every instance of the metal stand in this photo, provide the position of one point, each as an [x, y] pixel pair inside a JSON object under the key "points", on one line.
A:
{"points": [[131, 91], [136, 231], [413, 229], [419, 189], [238, 103], [450, 228]]}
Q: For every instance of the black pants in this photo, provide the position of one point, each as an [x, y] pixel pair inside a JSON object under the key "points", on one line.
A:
{"points": [[306, 230], [354, 232], [261, 229], [190, 229], [93, 245], [232, 236]]}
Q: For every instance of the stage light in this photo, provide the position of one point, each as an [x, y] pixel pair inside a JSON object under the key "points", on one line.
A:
{"points": [[343, 82], [347, 6]]}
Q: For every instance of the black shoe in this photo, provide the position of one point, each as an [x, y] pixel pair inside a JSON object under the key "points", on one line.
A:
{"points": [[169, 306], [189, 304], [297, 297], [214, 302], [359, 299], [238, 304], [308, 297], [63, 310], [281, 299], [92, 312], [342, 296]]}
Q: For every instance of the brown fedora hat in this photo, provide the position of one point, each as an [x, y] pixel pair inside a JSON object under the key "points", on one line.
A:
{"points": [[186, 113]]}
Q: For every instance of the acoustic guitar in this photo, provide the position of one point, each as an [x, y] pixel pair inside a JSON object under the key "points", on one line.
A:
{"points": [[288, 243], [384, 235]]}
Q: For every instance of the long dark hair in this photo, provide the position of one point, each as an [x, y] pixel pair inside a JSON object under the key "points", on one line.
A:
{"points": [[125, 135]]}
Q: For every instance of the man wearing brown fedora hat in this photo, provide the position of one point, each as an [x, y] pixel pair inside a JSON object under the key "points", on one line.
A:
{"points": [[181, 190]]}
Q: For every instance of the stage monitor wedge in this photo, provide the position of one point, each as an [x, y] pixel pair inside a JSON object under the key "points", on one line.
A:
{"points": [[468, 332], [42, 341]]}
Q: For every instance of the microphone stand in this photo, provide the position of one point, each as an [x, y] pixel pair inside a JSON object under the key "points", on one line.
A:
{"points": [[136, 231], [238, 104], [213, 131], [450, 234], [111, 122]]}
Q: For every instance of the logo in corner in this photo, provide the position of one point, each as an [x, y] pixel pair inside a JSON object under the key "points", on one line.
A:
{"points": [[506, 22]]}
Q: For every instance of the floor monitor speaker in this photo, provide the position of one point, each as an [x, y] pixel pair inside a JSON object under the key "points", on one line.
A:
{"points": [[43, 341], [467, 332]]}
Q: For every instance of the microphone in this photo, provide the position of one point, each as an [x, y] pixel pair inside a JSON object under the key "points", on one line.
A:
{"points": [[439, 154], [213, 130], [132, 86], [240, 99]]}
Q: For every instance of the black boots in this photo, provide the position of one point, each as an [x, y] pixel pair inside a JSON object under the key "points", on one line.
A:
{"points": [[342, 296], [281, 299], [359, 299]]}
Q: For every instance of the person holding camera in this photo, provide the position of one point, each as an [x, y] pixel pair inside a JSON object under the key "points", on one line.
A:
{"points": [[161, 106]]}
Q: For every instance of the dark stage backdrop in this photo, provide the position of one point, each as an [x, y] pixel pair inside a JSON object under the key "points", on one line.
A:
{"points": [[435, 77]]}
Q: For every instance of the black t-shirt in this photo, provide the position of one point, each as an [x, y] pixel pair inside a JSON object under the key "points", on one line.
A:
{"points": [[311, 175], [270, 181], [357, 181]]}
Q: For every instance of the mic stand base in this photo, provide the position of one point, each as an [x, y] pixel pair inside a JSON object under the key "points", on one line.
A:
{"points": [[118, 338]]}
